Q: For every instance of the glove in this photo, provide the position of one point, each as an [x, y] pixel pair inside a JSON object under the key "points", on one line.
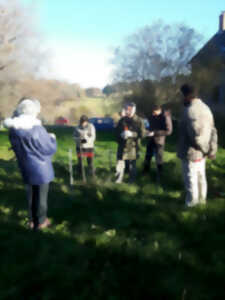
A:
{"points": [[83, 141], [52, 135], [126, 134], [150, 133]]}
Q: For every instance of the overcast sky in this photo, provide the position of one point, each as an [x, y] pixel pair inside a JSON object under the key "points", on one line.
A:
{"points": [[81, 34]]}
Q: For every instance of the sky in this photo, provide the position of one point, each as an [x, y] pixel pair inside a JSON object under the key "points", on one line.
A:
{"points": [[80, 35]]}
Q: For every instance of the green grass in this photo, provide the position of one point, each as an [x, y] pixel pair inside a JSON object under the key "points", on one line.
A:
{"points": [[112, 241]]}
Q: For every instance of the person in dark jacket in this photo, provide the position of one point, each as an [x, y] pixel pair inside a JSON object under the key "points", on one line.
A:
{"points": [[160, 127], [33, 147], [130, 130]]}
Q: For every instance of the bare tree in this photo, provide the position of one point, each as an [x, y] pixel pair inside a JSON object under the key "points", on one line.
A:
{"points": [[20, 52], [155, 52]]}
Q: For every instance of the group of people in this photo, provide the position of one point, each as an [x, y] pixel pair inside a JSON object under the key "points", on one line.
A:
{"points": [[34, 148]]}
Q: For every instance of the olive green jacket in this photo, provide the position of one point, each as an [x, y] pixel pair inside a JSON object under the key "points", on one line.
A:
{"points": [[128, 149]]}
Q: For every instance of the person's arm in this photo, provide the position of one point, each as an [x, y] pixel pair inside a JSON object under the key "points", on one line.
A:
{"points": [[199, 131], [76, 134], [44, 142], [119, 130], [213, 145], [140, 132]]}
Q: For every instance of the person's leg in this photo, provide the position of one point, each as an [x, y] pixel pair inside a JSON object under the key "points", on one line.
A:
{"points": [[43, 203], [133, 170], [90, 162], [79, 166], [202, 181], [29, 200], [127, 166], [79, 162], [35, 205], [148, 156], [191, 182], [120, 167], [159, 158]]}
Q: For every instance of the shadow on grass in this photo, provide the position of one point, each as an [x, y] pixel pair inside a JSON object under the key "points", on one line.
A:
{"points": [[112, 241], [153, 251]]}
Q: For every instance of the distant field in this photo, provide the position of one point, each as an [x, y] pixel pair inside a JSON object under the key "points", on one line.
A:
{"points": [[93, 107], [108, 241]]}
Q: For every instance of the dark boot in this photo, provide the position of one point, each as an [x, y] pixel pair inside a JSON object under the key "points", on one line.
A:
{"points": [[159, 172], [146, 168], [133, 171], [160, 169]]}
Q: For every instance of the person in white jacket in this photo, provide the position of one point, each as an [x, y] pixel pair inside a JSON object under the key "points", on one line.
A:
{"points": [[85, 136]]}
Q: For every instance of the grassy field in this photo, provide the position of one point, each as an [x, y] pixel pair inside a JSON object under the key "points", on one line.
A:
{"points": [[112, 241]]}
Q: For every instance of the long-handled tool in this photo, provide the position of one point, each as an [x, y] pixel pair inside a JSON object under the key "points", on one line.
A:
{"points": [[110, 160], [83, 174], [70, 156]]}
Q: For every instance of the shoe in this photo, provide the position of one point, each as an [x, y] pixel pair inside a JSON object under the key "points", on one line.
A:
{"points": [[45, 224], [146, 170], [118, 181], [191, 204]]}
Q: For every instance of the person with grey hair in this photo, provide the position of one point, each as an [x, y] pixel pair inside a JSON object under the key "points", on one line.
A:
{"points": [[33, 147]]}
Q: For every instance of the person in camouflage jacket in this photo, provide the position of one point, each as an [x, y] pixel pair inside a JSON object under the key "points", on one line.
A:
{"points": [[129, 132], [197, 142]]}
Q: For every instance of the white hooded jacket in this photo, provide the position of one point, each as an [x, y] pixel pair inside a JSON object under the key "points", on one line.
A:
{"points": [[88, 133]]}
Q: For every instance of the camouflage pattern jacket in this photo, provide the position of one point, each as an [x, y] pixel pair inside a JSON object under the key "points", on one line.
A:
{"points": [[198, 135], [128, 149]]}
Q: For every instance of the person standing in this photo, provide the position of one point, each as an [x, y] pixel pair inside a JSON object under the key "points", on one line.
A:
{"points": [[130, 130], [197, 142], [33, 147], [85, 136], [160, 127]]}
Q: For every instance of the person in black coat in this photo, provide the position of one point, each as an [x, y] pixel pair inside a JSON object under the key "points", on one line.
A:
{"points": [[160, 126]]}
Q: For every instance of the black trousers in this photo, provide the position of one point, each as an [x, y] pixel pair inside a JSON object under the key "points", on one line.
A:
{"points": [[151, 150], [37, 203], [89, 155], [131, 169], [90, 162]]}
